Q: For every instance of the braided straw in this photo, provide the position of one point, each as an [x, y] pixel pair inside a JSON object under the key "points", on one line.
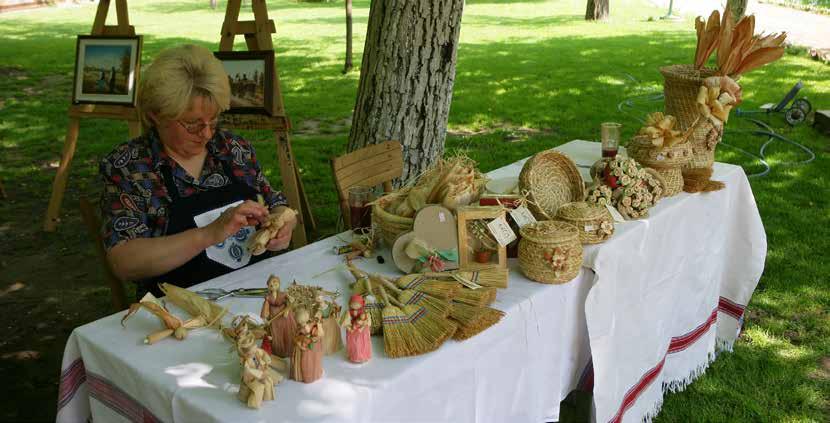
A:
{"points": [[592, 221], [543, 240], [389, 226], [550, 179]]}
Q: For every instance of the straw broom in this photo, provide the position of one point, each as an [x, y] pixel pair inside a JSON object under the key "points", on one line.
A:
{"points": [[488, 276], [400, 337], [439, 289], [435, 329], [374, 308], [411, 297], [473, 320], [480, 297]]}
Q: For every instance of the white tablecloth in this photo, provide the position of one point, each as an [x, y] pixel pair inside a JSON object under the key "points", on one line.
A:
{"points": [[646, 314]]}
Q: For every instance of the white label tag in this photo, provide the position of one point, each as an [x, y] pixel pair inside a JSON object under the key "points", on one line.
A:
{"points": [[501, 231], [590, 228], [522, 216], [441, 217], [615, 214]]}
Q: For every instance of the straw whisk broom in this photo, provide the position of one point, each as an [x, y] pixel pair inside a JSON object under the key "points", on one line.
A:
{"points": [[488, 276], [410, 297], [473, 320], [445, 290], [400, 336], [434, 328], [478, 297]]}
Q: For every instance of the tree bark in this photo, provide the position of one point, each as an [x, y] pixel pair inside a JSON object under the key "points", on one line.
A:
{"points": [[738, 8], [597, 10], [348, 65], [406, 78]]}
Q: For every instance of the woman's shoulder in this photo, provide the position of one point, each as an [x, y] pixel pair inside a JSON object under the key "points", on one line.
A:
{"points": [[127, 153]]}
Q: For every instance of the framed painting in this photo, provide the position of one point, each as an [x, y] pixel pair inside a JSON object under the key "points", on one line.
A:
{"points": [[251, 77], [106, 69]]}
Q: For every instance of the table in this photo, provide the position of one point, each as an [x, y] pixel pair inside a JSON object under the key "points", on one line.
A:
{"points": [[649, 310]]}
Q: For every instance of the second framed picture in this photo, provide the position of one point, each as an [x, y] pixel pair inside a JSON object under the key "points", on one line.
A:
{"points": [[251, 77]]}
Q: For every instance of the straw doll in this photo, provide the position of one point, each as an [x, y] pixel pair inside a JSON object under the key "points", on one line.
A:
{"points": [[275, 310], [258, 381], [307, 357], [328, 313], [358, 326]]}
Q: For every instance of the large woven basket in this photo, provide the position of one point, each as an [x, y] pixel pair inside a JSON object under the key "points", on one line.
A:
{"points": [[388, 226], [550, 252], [680, 87], [667, 161], [550, 179], [593, 222]]}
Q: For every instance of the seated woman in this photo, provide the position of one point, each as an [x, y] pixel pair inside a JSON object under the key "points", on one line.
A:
{"points": [[179, 202]]}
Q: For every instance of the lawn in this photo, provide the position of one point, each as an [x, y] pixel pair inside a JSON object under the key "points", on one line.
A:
{"points": [[530, 75]]}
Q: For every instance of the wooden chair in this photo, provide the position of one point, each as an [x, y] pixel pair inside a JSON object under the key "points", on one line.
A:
{"points": [[369, 166], [89, 214]]}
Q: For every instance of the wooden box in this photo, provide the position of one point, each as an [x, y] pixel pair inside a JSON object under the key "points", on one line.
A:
{"points": [[474, 252]]}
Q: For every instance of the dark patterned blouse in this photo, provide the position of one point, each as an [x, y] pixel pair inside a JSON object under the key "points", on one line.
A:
{"points": [[135, 201]]}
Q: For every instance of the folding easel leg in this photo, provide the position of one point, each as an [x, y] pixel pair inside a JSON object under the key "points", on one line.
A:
{"points": [[290, 186], [309, 217], [59, 184]]}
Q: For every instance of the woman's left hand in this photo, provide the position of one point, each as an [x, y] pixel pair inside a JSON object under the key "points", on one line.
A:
{"points": [[283, 238]]}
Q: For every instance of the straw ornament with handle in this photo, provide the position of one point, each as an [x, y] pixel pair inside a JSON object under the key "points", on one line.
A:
{"points": [[436, 288], [473, 320]]}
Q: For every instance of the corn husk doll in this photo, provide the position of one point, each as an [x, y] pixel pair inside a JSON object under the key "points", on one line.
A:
{"points": [[358, 325], [307, 357], [258, 380], [279, 319], [329, 310]]}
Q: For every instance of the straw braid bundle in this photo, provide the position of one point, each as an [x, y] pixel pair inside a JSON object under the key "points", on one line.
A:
{"points": [[550, 252]]}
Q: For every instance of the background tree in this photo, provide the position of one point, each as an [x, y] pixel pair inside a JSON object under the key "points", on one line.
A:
{"points": [[738, 8], [597, 10], [406, 78], [348, 65]]}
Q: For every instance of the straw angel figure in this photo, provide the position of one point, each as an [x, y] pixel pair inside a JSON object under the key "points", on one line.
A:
{"points": [[358, 326]]}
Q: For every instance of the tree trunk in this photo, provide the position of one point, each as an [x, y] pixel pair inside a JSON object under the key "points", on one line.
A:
{"points": [[406, 78], [738, 8], [597, 10], [348, 65]]}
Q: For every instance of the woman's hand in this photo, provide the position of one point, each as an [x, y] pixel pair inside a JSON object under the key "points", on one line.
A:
{"points": [[233, 219], [283, 238]]}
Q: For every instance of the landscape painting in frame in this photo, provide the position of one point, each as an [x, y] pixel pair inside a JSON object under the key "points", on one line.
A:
{"points": [[106, 69], [251, 77]]}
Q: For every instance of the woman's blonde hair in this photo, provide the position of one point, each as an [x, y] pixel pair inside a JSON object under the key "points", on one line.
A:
{"points": [[176, 77]]}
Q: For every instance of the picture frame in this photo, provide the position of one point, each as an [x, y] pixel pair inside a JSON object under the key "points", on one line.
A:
{"points": [[251, 77], [470, 246], [106, 69]]}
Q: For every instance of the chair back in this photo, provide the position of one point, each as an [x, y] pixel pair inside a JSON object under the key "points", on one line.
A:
{"points": [[369, 166], [92, 221]]}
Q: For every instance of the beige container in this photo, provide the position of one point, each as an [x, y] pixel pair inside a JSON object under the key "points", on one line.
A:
{"points": [[593, 222], [667, 161], [550, 252]]}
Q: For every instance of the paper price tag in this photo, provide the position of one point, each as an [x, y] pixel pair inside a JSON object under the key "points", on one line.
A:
{"points": [[615, 214], [522, 216], [501, 231]]}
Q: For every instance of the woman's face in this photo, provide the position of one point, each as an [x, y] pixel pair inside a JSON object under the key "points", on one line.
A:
{"points": [[187, 135]]}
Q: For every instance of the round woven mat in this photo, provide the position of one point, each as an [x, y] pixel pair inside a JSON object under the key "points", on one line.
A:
{"points": [[550, 179]]}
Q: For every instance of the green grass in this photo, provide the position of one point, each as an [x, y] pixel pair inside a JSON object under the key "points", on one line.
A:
{"points": [[530, 75]]}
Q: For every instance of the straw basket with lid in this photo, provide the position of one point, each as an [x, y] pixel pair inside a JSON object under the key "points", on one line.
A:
{"points": [[550, 179], [680, 88], [593, 222], [550, 252]]}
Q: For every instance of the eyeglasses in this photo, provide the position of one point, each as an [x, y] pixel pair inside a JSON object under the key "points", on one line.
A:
{"points": [[195, 128]]}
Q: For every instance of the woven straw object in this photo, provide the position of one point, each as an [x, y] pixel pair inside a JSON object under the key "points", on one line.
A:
{"points": [[667, 161], [681, 86], [550, 179], [594, 222], [389, 226], [550, 252]]}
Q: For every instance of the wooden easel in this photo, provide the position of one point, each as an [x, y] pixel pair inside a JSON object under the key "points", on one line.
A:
{"points": [[258, 37], [82, 111]]}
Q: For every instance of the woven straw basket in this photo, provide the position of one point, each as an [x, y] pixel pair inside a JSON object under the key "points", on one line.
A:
{"points": [[550, 252], [550, 179], [667, 161], [388, 226], [681, 85], [593, 222]]}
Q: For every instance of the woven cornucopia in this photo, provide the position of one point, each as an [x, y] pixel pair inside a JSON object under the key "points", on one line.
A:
{"points": [[550, 179], [550, 252], [594, 222]]}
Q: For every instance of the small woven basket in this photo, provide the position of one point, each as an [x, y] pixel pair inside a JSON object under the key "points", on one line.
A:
{"points": [[550, 179], [667, 161], [593, 222], [389, 226], [680, 87], [550, 252]]}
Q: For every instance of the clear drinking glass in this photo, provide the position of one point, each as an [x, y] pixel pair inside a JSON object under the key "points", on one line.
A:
{"points": [[610, 138], [360, 212]]}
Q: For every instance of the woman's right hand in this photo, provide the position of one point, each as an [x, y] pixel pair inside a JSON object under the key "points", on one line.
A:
{"points": [[233, 219]]}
